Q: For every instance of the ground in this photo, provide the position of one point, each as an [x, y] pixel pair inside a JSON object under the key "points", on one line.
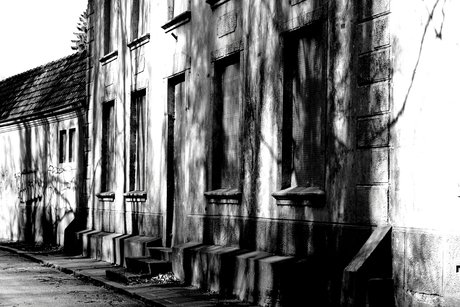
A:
{"points": [[26, 283]]}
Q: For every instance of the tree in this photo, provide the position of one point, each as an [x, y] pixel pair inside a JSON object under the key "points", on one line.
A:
{"points": [[80, 43]]}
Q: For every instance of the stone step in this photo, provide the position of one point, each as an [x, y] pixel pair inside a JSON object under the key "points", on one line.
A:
{"points": [[113, 247], [161, 253], [148, 265], [136, 246], [249, 275], [123, 275]]}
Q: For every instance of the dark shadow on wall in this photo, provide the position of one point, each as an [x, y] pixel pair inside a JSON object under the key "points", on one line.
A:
{"points": [[81, 195], [327, 247]]}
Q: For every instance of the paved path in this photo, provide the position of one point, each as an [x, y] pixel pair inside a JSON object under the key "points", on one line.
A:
{"points": [[30, 278], [24, 282]]}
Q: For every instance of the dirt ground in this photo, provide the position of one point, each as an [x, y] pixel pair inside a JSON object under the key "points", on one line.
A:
{"points": [[26, 283]]}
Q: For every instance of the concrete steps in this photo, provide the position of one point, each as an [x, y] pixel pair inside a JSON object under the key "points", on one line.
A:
{"points": [[114, 247], [254, 276], [153, 260], [138, 268], [123, 275], [162, 253], [148, 265]]}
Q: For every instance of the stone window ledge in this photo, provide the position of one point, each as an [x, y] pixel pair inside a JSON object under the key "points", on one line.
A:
{"points": [[300, 196], [106, 196], [137, 42], [135, 196], [216, 3], [109, 57], [177, 21], [224, 196]]}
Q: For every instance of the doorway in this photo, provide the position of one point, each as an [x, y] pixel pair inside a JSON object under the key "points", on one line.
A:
{"points": [[175, 172]]}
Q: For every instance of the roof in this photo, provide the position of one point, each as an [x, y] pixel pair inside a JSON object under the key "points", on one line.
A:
{"points": [[53, 88]]}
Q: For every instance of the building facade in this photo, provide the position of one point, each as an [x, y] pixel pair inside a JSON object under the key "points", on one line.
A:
{"points": [[310, 142], [42, 114]]}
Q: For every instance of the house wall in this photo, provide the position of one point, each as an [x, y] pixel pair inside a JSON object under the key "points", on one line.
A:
{"points": [[129, 70], [385, 64], [331, 233], [40, 195], [425, 195]]}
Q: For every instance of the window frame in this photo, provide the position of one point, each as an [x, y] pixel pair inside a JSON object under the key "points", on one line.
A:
{"points": [[67, 143], [108, 145], [133, 175], [172, 8], [72, 144], [217, 194], [63, 146], [107, 26], [295, 38], [139, 19], [289, 195]]}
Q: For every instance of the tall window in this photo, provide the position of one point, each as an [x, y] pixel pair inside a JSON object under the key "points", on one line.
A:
{"points": [[177, 7], [108, 146], [226, 161], [72, 145], [62, 146], [304, 108], [107, 26], [138, 127], [135, 14], [139, 14]]}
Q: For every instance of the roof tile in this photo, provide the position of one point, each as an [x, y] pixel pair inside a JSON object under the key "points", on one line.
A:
{"points": [[56, 85]]}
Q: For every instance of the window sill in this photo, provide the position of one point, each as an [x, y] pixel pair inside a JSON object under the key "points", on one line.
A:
{"points": [[300, 196], [137, 42], [215, 3], [106, 196], [135, 196], [109, 57], [224, 196], [177, 21]]}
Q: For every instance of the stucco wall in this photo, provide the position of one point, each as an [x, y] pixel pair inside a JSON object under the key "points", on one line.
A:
{"points": [[425, 195], [130, 69], [390, 154], [263, 27], [39, 195]]}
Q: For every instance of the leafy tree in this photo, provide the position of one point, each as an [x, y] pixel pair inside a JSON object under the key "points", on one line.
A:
{"points": [[80, 43]]}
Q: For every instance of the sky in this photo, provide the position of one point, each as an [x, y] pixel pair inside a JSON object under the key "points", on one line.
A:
{"points": [[35, 32]]}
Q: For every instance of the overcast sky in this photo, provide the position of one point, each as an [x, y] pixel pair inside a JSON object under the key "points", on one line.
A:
{"points": [[35, 32]]}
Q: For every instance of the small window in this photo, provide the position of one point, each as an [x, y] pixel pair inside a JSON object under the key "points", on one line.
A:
{"points": [[304, 109], [62, 146], [138, 127], [226, 140], [108, 146], [67, 145]]}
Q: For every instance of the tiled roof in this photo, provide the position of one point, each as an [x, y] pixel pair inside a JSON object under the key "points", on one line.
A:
{"points": [[56, 87]]}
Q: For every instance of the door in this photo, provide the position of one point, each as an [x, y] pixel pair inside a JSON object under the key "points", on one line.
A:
{"points": [[175, 211]]}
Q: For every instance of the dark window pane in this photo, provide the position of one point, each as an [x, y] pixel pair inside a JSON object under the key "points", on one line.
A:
{"points": [[62, 146], [72, 145], [227, 125], [138, 127], [303, 154], [108, 158], [135, 20], [107, 26]]}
